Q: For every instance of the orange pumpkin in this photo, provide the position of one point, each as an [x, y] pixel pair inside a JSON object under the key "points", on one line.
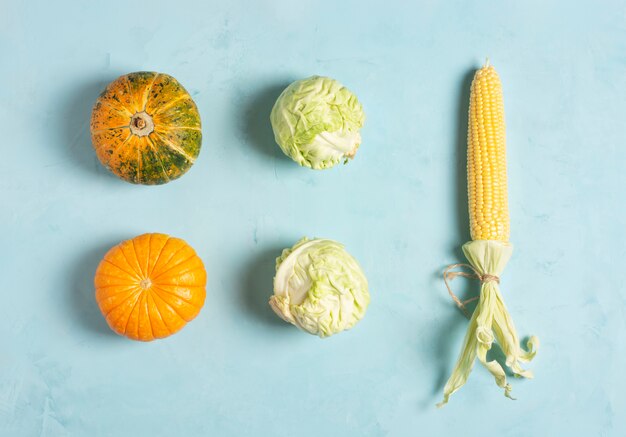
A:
{"points": [[150, 287], [145, 128]]}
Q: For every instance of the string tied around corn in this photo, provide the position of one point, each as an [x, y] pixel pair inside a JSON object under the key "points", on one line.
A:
{"points": [[449, 275]]}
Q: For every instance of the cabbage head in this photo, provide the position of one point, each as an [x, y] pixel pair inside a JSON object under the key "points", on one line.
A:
{"points": [[319, 287], [316, 122]]}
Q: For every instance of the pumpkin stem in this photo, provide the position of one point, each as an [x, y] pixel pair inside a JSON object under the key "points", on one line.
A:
{"points": [[141, 124]]}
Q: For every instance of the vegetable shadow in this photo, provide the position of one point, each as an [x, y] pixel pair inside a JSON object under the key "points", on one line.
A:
{"points": [[257, 129], [444, 353], [81, 292], [460, 175], [74, 134], [257, 287]]}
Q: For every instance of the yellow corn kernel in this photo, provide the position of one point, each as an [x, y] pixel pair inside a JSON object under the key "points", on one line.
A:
{"points": [[486, 159]]}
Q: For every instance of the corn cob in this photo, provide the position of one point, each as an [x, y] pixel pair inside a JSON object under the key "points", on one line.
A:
{"points": [[490, 250], [486, 159]]}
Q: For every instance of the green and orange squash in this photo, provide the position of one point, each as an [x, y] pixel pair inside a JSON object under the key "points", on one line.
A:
{"points": [[145, 128]]}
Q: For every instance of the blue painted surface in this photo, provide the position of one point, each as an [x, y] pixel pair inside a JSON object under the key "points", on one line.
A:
{"points": [[399, 207]]}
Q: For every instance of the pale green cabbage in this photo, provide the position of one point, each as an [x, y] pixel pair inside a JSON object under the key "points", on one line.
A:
{"points": [[319, 287], [316, 122]]}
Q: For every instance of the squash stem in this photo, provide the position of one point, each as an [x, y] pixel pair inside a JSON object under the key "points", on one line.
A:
{"points": [[141, 124]]}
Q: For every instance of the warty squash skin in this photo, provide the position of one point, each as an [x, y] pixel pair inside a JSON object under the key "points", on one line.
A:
{"points": [[150, 287], [145, 128]]}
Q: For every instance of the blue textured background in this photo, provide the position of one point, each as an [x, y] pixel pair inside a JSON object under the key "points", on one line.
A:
{"points": [[399, 207]]}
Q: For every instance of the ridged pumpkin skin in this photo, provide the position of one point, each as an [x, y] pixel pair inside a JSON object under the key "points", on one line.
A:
{"points": [[150, 287], [145, 128]]}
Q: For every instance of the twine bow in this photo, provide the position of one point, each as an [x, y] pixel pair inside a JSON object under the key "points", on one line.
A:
{"points": [[449, 275]]}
